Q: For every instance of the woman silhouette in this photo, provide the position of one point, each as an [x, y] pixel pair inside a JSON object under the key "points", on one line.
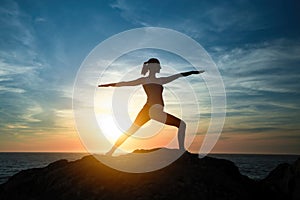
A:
{"points": [[153, 109]]}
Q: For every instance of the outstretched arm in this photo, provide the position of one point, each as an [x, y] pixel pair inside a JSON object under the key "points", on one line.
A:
{"points": [[169, 79], [124, 83]]}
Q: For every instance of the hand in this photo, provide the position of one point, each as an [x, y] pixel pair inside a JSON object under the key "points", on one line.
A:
{"points": [[107, 85], [197, 72], [191, 72], [194, 72]]}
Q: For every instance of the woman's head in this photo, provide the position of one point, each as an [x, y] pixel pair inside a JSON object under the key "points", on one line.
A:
{"points": [[152, 64]]}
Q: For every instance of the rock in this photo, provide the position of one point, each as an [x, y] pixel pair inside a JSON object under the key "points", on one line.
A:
{"points": [[284, 180], [187, 178]]}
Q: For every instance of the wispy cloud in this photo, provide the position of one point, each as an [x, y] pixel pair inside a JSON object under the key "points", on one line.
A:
{"points": [[262, 87], [11, 89], [28, 102], [133, 12], [204, 20], [266, 67]]}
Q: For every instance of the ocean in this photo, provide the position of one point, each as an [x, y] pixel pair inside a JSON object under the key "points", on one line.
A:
{"points": [[252, 165], [257, 166], [11, 163]]}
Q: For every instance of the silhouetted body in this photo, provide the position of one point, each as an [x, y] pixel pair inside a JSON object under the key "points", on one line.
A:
{"points": [[154, 93], [156, 103], [154, 107]]}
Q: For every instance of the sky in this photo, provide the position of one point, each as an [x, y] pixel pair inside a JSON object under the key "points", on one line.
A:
{"points": [[255, 45]]}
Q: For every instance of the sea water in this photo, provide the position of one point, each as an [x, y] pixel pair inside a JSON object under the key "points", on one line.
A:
{"points": [[11, 163], [257, 166]]}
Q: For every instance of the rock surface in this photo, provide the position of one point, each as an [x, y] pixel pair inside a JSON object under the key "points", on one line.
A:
{"points": [[284, 181], [187, 178]]}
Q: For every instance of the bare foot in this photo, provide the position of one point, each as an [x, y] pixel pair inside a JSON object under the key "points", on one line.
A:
{"points": [[182, 149], [110, 152]]}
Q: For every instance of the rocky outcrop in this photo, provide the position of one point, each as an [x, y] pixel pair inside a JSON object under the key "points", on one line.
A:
{"points": [[187, 178], [284, 181]]}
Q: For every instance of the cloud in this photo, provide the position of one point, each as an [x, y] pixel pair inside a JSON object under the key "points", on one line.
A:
{"points": [[29, 103], [262, 87], [266, 67], [10, 89], [40, 20], [135, 13], [19, 61], [202, 20], [12, 20]]}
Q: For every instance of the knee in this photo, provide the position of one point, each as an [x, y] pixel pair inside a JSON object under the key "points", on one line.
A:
{"points": [[182, 124]]}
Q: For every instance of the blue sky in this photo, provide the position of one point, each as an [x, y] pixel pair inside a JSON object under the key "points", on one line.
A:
{"points": [[255, 44]]}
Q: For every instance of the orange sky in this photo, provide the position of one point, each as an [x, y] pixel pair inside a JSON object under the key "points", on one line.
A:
{"points": [[232, 143]]}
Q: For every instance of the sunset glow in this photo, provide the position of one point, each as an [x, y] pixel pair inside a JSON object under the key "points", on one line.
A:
{"points": [[255, 46]]}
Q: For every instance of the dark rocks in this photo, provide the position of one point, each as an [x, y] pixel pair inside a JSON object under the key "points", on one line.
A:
{"points": [[187, 178], [284, 181]]}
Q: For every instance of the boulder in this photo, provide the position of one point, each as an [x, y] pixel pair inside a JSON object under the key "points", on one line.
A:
{"points": [[284, 180]]}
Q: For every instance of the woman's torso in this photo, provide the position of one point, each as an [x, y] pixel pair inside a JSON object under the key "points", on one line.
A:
{"points": [[154, 93]]}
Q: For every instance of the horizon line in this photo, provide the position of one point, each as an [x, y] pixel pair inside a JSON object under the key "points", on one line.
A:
{"points": [[211, 153]]}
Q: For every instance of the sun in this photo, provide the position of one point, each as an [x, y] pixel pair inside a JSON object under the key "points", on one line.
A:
{"points": [[108, 127]]}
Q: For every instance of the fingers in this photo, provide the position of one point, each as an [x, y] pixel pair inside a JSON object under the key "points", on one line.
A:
{"points": [[191, 72], [197, 72], [108, 85], [105, 85]]}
